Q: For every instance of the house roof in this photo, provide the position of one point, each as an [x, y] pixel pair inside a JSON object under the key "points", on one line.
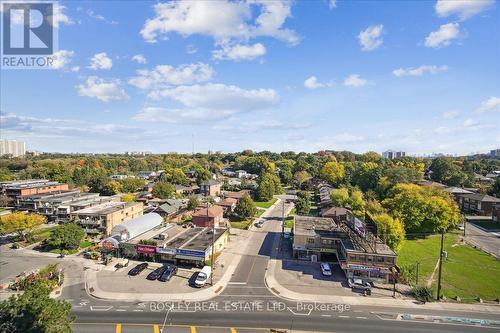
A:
{"points": [[171, 206], [228, 202], [212, 182], [235, 195], [457, 190], [333, 211], [481, 197], [212, 211]]}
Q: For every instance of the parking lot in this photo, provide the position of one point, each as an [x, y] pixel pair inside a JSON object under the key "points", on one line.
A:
{"points": [[119, 281]]}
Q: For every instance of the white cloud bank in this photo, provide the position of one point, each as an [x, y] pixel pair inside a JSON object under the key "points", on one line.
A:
{"points": [[103, 90], [62, 58], [355, 80], [419, 71], [166, 75], [313, 83], [443, 36], [492, 104], [239, 52], [139, 58], [464, 9], [100, 61]]}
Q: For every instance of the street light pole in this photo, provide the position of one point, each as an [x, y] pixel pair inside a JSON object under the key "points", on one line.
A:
{"points": [[440, 266]]}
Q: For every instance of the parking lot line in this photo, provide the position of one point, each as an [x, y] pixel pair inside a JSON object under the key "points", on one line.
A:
{"points": [[233, 330], [156, 329], [193, 329], [118, 328]]}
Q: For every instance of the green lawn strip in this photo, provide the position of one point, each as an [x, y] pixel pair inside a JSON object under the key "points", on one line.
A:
{"points": [[488, 225], [85, 244], [265, 204], [466, 272]]}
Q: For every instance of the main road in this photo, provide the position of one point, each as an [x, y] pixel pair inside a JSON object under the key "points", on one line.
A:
{"points": [[246, 305]]}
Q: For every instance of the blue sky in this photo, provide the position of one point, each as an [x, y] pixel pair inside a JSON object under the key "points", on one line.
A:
{"points": [[419, 76]]}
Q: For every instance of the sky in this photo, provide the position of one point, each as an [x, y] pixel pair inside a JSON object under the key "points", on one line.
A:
{"points": [[417, 76]]}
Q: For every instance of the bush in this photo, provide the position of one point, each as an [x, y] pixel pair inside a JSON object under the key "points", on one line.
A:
{"points": [[422, 293]]}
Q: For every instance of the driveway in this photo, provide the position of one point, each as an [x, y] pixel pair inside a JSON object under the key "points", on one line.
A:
{"points": [[485, 240]]}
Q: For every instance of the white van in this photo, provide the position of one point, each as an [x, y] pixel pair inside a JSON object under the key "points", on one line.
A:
{"points": [[203, 276]]}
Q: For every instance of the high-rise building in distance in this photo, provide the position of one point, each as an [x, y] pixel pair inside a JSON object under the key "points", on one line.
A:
{"points": [[391, 154], [13, 148]]}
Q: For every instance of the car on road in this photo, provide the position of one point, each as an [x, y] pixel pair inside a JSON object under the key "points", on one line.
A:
{"points": [[325, 269], [154, 275], [259, 224], [170, 270], [203, 276], [138, 269], [360, 285], [287, 235]]}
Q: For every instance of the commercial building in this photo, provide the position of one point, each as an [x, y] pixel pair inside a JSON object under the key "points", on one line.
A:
{"points": [[495, 152], [208, 217], [99, 220], [21, 188], [391, 154], [12, 148], [338, 214], [353, 245]]}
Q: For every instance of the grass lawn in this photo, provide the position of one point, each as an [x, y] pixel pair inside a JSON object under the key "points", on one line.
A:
{"points": [[265, 204], [38, 235], [488, 225], [289, 222], [85, 244], [467, 273]]}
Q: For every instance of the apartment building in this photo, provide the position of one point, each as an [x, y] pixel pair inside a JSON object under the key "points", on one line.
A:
{"points": [[358, 251], [13, 148], [211, 188], [100, 219], [21, 188], [391, 154]]}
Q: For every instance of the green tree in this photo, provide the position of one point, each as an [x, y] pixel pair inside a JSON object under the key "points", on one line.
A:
{"points": [[20, 223], [131, 185], [301, 177], [445, 171], [66, 237], [128, 197], [422, 208], [285, 170], [269, 185], [163, 190], [390, 230], [193, 202], [357, 203], [245, 207], [366, 175], [495, 188], [303, 205], [340, 196], [5, 175], [333, 172], [34, 311]]}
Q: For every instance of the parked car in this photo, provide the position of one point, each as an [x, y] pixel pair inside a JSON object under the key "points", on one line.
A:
{"points": [[259, 224], [156, 274], [203, 276], [170, 270], [287, 235], [138, 269], [360, 285], [122, 263], [325, 269]]}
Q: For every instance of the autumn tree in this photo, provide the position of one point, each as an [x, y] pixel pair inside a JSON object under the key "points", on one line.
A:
{"points": [[390, 230], [163, 190], [20, 223], [333, 172]]}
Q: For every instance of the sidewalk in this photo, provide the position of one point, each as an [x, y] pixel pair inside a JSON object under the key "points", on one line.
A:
{"points": [[280, 291]]}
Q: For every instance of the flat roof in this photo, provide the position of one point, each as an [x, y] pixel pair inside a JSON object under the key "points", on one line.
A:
{"points": [[203, 240], [51, 195], [105, 208], [311, 225], [171, 230], [184, 237]]}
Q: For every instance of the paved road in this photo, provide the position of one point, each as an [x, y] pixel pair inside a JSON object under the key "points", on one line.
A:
{"points": [[487, 241]]}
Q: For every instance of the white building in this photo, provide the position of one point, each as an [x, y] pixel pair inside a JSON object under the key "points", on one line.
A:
{"points": [[13, 148], [391, 154]]}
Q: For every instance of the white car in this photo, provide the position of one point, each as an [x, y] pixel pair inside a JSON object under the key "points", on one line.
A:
{"points": [[325, 269]]}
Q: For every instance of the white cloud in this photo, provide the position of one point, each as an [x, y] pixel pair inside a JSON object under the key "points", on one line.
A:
{"points": [[332, 4], [102, 90], [208, 102], [223, 20], [450, 114], [165, 75], [471, 124], [75, 69], [491, 104], [99, 17], [419, 71], [59, 16], [371, 38], [239, 52], [313, 83], [100, 61], [139, 58], [464, 9], [355, 80], [191, 49], [443, 36], [62, 58], [442, 130]]}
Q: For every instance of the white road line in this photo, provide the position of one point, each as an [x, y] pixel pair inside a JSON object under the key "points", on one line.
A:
{"points": [[100, 308], [268, 296], [344, 317], [326, 315], [138, 310], [362, 317], [236, 283], [121, 310]]}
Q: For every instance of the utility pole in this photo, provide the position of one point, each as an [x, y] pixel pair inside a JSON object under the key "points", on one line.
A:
{"points": [[465, 223], [283, 219], [418, 264], [212, 266], [440, 266]]}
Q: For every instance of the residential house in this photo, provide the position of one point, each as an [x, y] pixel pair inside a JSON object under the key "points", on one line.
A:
{"points": [[228, 204], [478, 203], [171, 209], [208, 217], [457, 192], [211, 188], [236, 195], [338, 214]]}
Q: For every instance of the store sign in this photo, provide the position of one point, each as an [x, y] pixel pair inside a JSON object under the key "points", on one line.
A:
{"points": [[145, 249], [162, 250], [364, 268], [191, 253], [359, 227]]}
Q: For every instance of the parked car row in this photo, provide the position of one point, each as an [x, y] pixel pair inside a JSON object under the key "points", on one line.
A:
{"points": [[165, 273]]}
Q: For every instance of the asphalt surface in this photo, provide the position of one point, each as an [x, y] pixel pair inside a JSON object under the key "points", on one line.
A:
{"points": [[246, 305], [486, 241]]}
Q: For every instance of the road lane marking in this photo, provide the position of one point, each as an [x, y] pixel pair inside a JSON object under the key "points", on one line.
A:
{"points": [[362, 317], [344, 317], [100, 307], [236, 283], [118, 328], [121, 310], [193, 329], [156, 328], [233, 330], [326, 315]]}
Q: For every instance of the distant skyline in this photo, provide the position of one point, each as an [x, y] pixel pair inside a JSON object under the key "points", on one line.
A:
{"points": [[417, 76]]}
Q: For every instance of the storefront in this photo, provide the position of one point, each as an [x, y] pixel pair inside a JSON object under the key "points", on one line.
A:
{"points": [[166, 254], [146, 252], [368, 273], [191, 257]]}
